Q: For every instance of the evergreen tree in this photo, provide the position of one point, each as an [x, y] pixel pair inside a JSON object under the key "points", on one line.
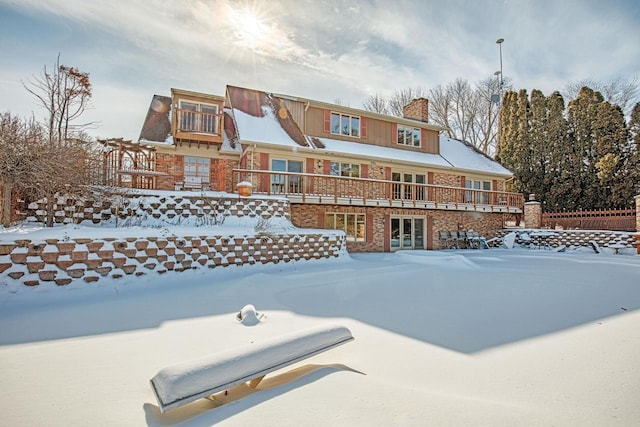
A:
{"points": [[610, 137], [630, 184], [581, 115], [506, 134], [522, 147], [634, 126], [538, 146], [557, 180], [586, 160]]}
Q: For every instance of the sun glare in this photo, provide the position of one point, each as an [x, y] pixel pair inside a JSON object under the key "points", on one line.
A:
{"points": [[249, 29], [255, 29]]}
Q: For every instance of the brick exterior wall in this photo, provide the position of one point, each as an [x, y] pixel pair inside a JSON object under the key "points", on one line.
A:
{"points": [[446, 179], [637, 198], [487, 224], [533, 214], [173, 164], [378, 219], [417, 109]]}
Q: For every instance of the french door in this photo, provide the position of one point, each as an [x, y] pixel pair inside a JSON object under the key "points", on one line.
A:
{"points": [[283, 184], [404, 191], [407, 232]]}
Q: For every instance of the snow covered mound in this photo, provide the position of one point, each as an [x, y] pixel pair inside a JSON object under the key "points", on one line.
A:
{"points": [[249, 316]]}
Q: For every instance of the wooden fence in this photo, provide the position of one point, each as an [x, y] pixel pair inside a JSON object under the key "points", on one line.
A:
{"points": [[618, 220]]}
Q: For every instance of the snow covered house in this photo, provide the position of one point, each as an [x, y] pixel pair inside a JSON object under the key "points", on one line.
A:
{"points": [[389, 182]]}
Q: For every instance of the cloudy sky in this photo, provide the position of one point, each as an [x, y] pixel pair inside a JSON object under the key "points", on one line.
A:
{"points": [[321, 49]]}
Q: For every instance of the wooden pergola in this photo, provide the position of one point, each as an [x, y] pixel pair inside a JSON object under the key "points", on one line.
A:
{"points": [[128, 164]]}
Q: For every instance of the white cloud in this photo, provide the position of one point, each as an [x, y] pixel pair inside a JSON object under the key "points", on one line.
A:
{"points": [[324, 50]]}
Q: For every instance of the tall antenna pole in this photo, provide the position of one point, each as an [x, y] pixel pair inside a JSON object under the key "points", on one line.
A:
{"points": [[499, 42]]}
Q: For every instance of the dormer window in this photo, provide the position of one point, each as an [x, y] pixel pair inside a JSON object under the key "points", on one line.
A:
{"points": [[344, 124], [409, 136], [197, 117]]}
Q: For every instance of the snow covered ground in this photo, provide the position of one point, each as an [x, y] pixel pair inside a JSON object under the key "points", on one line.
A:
{"points": [[472, 337]]}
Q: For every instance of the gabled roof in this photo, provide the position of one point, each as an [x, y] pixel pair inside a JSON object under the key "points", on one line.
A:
{"points": [[157, 124], [263, 119], [252, 105]]}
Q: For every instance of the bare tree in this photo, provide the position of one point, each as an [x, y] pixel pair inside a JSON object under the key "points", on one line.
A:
{"points": [[467, 112], [376, 103], [20, 143], [64, 164], [465, 107], [439, 107], [61, 170], [484, 132], [65, 93], [403, 97], [618, 90]]}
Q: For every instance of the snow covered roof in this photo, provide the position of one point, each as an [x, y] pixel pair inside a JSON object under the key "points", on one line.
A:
{"points": [[256, 117], [464, 156], [387, 153], [263, 120], [264, 129]]}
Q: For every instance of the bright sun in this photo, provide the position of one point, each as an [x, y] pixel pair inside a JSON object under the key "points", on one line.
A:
{"points": [[249, 29], [255, 28]]}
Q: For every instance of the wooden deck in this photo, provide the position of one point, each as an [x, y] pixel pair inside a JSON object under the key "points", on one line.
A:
{"points": [[337, 190]]}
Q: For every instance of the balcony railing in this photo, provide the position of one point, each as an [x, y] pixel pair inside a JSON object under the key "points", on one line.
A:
{"points": [[196, 121], [338, 190]]}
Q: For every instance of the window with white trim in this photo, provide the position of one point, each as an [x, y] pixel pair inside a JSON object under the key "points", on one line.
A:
{"points": [[345, 169], [344, 124], [196, 171], [482, 197], [409, 136], [352, 224], [198, 117]]}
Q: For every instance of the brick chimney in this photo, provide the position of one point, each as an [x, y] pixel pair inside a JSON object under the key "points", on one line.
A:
{"points": [[417, 109]]}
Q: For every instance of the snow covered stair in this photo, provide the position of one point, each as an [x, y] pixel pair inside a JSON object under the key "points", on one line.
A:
{"points": [[180, 384]]}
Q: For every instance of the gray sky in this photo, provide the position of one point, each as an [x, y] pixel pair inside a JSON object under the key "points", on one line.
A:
{"points": [[319, 49]]}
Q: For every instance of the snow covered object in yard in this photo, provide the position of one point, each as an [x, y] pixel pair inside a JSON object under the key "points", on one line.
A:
{"points": [[248, 315], [180, 384]]}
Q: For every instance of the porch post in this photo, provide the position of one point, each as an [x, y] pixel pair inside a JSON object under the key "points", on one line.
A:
{"points": [[533, 212], [637, 235], [638, 213]]}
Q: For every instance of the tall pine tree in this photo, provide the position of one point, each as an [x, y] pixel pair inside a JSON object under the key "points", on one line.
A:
{"points": [[538, 146], [586, 160], [609, 140], [556, 179], [629, 185], [505, 153], [581, 115]]}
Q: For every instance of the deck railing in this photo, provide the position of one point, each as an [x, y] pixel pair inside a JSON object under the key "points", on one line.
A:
{"points": [[196, 121], [339, 190]]}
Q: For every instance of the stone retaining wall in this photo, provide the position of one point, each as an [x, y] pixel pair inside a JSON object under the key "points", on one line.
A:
{"points": [[140, 208], [63, 262], [576, 238]]}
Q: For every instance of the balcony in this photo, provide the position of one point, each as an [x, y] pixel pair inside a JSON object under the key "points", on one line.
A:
{"points": [[199, 126], [337, 190]]}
